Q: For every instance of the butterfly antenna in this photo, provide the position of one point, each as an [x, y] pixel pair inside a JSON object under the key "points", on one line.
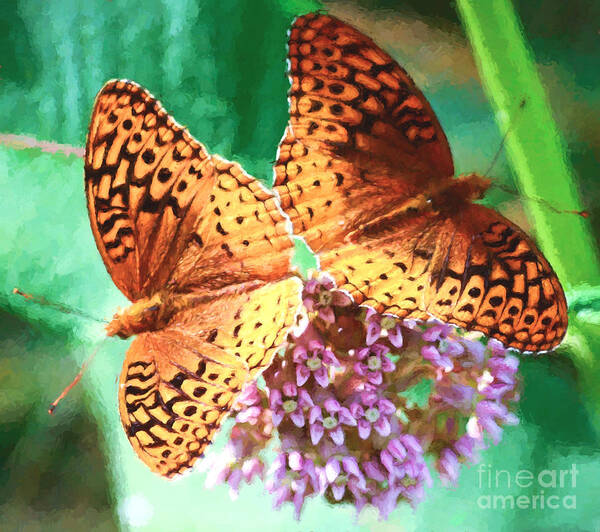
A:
{"points": [[503, 141], [73, 382], [542, 201], [57, 306]]}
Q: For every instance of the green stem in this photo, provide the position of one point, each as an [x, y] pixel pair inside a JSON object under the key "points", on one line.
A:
{"points": [[537, 153]]}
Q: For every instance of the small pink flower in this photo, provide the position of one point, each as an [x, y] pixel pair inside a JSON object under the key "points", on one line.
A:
{"points": [[372, 412], [292, 403], [320, 296], [331, 421], [249, 401], [468, 446], [344, 473], [291, 478], [448, 467], [499, 378], [456, 395], [314, 359], [432, 354], [436, 331], [490, 415], [373, 362], [376, 323]]}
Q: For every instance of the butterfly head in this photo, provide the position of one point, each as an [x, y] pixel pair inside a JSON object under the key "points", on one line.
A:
{"points": [[458, 190], [475, 185], [146, 314]]}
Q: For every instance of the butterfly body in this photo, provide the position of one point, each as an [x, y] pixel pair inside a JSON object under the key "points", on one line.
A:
{"points": [[447, 196], [145, 315]]}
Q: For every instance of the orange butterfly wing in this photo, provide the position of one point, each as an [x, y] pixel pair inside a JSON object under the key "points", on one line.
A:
{"points": [[473, 268], [360, 132], [241, 236], [178, 384], [146, 182], [362, 149], [165, 212], [170, 218]]}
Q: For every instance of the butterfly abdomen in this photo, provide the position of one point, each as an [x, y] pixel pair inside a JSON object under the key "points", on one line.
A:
{"points": [[146, 314]]}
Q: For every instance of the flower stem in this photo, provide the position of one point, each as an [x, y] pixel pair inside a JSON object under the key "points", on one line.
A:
{"points": [[536, 151]]}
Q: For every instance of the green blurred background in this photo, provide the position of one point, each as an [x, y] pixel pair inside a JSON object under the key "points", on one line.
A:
{"points": [[218, 67]]}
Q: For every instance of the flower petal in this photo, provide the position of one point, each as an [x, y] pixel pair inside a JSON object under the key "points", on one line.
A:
{"points": [[375, 377], [374, 471], [373, 332], [395, 336], [338, 491], [379, 350], [346, 417], [448, 466], [387, 460], [356, 410], [396, 448], [364, 429], [249, 415], [327, 281], [297, 418], [411, 443], [340, 299], [329, 358], [298, 502], [454, 348], [309, 304], [332, 469], [311, 286], [386, 407], [382, 426], [295, 461], [331, 405], [337, 435], [277, 417], [316, 433], [315, 346], [351, 466], [360, 369], [430, 352], [289, 389], [234, 480], [386, 502], [275, 398], [315, 414], [387, 365], [321, 377], [327, 314], [302, 375], [304, 398], [363, 353], [299, 354]]}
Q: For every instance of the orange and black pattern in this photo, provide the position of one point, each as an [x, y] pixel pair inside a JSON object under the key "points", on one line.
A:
{"points": [[146, 181], [365, 173], [203, 250], [241, 226], [174, 395], [360, 131], [474, 269], [178, 384]]}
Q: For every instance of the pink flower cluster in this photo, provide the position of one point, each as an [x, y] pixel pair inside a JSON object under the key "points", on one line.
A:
{"points": [[359, 399]]}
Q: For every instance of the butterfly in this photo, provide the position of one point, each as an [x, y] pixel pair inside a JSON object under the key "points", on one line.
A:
{"points": [[365, 173], [203, 251]]}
